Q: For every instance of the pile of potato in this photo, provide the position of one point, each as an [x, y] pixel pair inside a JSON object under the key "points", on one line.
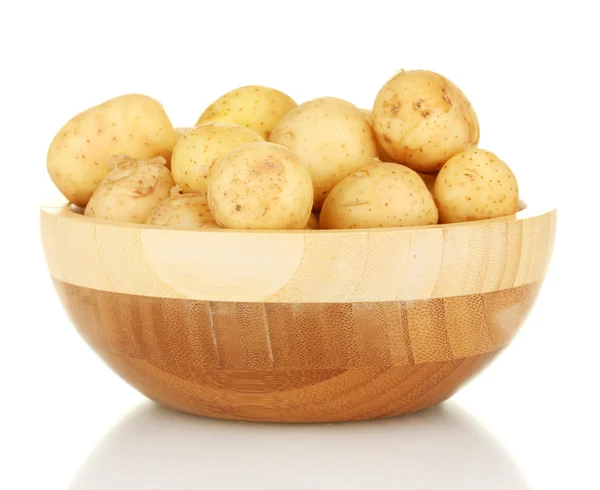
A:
{"points": [[258, 160]]}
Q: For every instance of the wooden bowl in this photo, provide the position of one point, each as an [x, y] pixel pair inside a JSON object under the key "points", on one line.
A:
{"points": [[297, 326]]}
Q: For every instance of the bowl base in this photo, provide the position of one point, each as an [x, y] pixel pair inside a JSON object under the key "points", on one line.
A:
{"points": [[350, 395], [296, 363]]}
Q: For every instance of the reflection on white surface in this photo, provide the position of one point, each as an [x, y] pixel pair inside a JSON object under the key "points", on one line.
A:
{"points": [[440, 448]]}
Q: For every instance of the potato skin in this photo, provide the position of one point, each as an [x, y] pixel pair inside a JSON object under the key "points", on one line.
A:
{"points": [[422, 119], [313, 222], [131, 190], [78, 156], [254, 106], [379, 195], [199, 149], [183, 211], [329, 135], [382, 154], [260, 186], [474, 185], [429, 180]]}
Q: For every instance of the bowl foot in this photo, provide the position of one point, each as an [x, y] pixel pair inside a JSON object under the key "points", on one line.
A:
{"points": [[292, 397]]}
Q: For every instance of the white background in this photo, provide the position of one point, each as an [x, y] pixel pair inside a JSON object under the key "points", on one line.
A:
{"points": [[530, 70]]}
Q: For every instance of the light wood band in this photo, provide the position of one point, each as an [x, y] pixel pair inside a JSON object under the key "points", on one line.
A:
{"points": [[328, 266]]}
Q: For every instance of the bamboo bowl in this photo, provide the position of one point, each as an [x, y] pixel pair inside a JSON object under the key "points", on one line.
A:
{"points": [[297, 326]]}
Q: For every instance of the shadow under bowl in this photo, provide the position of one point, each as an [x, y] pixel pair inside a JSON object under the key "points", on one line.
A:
{"points": [[297, 326]]}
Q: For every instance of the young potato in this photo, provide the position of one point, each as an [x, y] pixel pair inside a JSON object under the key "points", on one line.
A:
{"points": [[199, 149], [382, 154], [379, 195], [181, 132], [422, 119], [329, 135], [183, 211], [131, 190], [429, 180], [473, 185], [256, 107], [260, 186], [313, 222], [78, 156]]}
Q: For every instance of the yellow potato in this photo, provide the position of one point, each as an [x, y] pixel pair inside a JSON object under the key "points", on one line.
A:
{"points": [[429, 180], [255, 107], [181, 132], [131, 190], [329, 135], [78, 156], [474, 185], [313, 222], [183, 211], [260, 186], [379, 195], [199, 149], [422, 119], [383, 155]]}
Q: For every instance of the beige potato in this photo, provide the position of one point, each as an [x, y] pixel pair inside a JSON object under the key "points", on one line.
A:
{"points": [[256, 107], [199, 149], [181, 132], [379, 195], [429, 180], [313, 222], [422, 119], [183, 211], [78, 156], [260, 186], [474, 185], [131, 190], [382, 154], [329, 135]]}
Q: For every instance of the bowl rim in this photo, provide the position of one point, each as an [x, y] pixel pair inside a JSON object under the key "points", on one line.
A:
{"points": [[63, 209]]}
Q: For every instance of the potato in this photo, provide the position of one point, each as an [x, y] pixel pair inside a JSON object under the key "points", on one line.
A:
{"points": [[329, 135], [131, 190], [255, 107], [422, 119], [260, 186], [473, 185], [181, 132], [78, 156], [199, 149], [183, 211], [382, 154], [429, 180], [379, 195], [313, 222]]}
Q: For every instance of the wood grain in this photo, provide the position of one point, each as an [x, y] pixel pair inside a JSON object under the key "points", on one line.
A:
{"points": [[298, 326], [333, 266], [296, 362]]}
